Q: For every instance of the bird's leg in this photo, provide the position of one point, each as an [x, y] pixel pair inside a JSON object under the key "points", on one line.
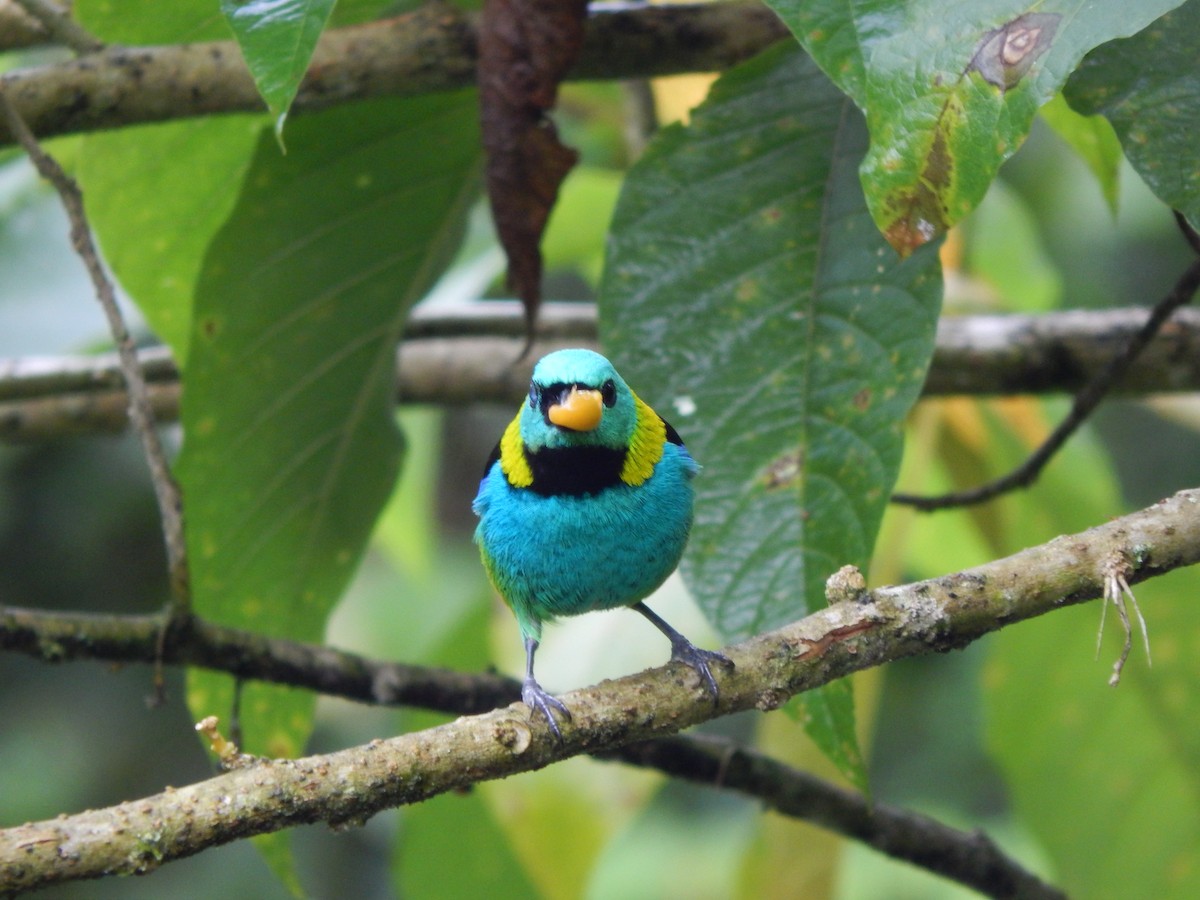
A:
{"points": [[686, 652], [535, 696]]}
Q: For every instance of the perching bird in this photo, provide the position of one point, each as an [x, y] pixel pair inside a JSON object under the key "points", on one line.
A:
{"points": [[585, 504]]}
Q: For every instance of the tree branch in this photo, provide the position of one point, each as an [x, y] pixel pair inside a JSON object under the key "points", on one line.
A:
{"points": [[18, 29], [465, 354], [60, 27], [429, 49], [347, 786], [191, 641]]}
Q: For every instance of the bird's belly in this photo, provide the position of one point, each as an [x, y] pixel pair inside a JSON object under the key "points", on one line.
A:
{"points": [[560, 556]]}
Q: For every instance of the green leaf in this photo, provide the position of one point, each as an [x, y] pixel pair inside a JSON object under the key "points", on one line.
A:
{"points": [[1005, 249], [578, 223], [156, 196], [290, 448], [748, 296], [277, 38], [151, 21], [436, 831], [1091, 768], [1148, 86], [1095, 142], [949, 91], [441, 829]]}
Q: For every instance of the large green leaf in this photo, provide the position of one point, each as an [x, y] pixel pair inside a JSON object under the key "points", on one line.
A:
{"points": [[277, 38], [1093, 139], [949, 90], [289, 449], [438, 830], [1005, 251], [151, 21], [1107, 778], [1148, 86], [156, 196], [749, 297]]}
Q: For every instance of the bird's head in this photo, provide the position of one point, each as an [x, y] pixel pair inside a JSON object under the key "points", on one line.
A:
{"points": [[576, 398]]}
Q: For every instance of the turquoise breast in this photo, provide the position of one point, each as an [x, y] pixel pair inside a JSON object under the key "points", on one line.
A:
{"points": [[551, 556]]}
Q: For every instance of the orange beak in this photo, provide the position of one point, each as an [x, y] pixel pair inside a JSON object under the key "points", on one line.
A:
{"points": [[580, 411]]}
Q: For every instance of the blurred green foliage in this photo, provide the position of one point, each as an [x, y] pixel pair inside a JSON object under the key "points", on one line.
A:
{"points": [[1020, 734]]}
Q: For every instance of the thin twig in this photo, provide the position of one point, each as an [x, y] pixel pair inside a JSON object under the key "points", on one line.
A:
{"points": [[1085, 402], [60, 27], [1189, 233], [139, 409]]}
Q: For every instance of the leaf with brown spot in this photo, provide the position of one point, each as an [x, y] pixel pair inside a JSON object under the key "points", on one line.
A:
{"points": [[1006, 54], [525, 49], [950, 91]]}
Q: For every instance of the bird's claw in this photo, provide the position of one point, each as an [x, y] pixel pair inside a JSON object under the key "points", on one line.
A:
{"points": [[701, 661], [535, 697]]}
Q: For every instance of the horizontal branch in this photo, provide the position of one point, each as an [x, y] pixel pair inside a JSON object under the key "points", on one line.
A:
{"points": [[190, 641], [430, 49], [1061, 352], [872, 628], [465, 354]]}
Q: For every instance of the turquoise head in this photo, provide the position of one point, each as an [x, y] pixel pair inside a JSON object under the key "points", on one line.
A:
{"points": [[576, 398]]}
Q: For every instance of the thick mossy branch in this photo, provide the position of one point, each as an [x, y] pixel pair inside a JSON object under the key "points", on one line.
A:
{"points": [[430, 49], [885, 624]]}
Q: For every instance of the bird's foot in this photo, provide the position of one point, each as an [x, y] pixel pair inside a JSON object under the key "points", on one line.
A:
{"points": [[538, 701], [701, 661]]}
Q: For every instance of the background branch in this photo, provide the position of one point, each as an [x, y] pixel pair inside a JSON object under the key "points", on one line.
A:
{"points": [[429, 49], [59, 26], [465, 354], [18, 28], [882, 625]]}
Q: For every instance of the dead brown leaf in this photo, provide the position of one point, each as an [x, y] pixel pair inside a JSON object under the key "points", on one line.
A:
{"points": [[525, 49]]}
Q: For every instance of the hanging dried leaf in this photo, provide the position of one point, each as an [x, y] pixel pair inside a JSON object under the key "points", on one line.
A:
{"points": [[525, 49]]}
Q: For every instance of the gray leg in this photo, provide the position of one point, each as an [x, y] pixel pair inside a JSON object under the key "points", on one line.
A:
{"points": [[688, 653]]}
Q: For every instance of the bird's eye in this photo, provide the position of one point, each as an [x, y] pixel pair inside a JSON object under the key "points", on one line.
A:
{"points": [[534, 396], [609, 392]]}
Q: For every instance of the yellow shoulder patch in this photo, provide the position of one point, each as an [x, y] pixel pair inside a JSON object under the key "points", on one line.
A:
{"points": [[513, 463], [645, 446]]}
